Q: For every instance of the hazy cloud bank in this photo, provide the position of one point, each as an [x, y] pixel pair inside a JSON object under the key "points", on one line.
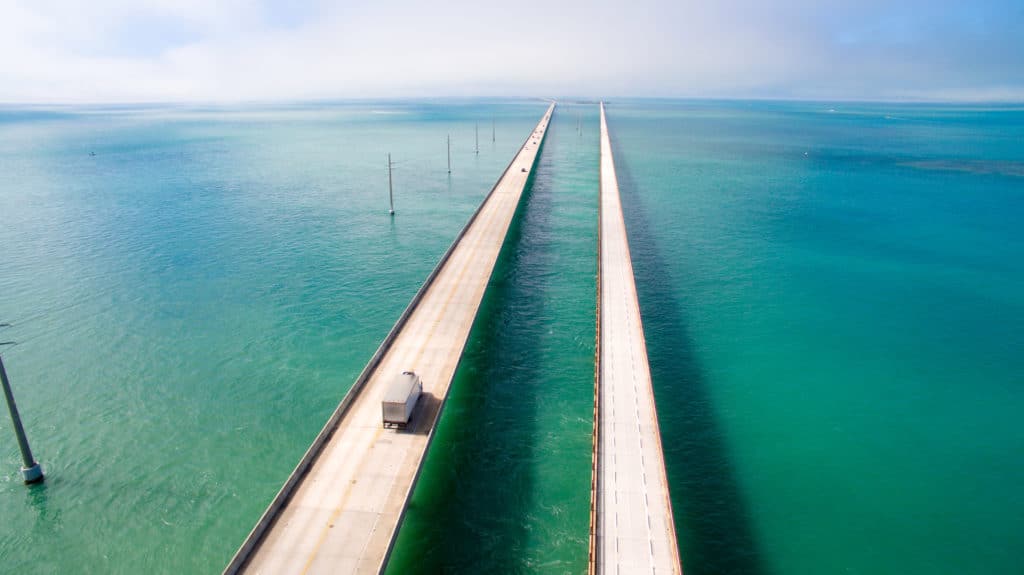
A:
{"points": [[118, 50]]}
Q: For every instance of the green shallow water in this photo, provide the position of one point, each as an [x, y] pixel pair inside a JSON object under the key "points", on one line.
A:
{"points": [[506, 484], [832, 298], [192, 302]]}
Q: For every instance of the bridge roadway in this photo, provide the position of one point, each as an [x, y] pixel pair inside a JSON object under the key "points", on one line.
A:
{"points": [[339, 511], [631, 523]]}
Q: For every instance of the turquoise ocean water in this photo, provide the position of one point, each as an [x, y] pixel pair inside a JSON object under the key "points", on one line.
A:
{"points": [[833, 297], [192, 302], [506, 487]]}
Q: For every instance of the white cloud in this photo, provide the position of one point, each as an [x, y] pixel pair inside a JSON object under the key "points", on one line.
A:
{"points": [[76, 51]]}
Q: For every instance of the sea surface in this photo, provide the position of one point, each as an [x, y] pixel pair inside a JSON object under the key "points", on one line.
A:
{"points": [[192, 291], [506, 485], [833, 298]]}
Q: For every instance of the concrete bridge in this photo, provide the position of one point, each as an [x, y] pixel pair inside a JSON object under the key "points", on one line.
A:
{"points": [[632, 530], [340, 510]]}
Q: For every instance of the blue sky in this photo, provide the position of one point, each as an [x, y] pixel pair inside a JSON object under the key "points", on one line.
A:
{"points": [[231, 50]]}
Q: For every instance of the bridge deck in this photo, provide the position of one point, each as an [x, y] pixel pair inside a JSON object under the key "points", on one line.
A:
{"points": [[634, 531], [340, 511]]}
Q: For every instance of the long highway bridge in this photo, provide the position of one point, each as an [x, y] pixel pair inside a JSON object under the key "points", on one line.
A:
{"points": [[340, 509], [631, 516]]}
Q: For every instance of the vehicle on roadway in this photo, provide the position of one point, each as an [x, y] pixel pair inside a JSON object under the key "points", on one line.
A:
{"points": [[400, 399]]}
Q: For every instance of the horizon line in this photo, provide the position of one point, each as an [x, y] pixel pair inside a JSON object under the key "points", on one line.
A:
{"points": [[566, 99]]}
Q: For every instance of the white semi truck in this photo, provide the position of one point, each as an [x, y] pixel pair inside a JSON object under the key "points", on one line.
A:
{"points": [[400, 399]]}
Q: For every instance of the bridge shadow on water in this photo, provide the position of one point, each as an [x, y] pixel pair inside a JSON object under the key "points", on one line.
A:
{"points": [[470, 512], [712, 521]]}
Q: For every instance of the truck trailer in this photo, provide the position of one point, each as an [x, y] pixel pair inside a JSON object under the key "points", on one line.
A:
{"points": [[400, 399]]}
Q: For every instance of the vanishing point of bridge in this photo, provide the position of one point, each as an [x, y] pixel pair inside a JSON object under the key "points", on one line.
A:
{"points": [[340, 509]]}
